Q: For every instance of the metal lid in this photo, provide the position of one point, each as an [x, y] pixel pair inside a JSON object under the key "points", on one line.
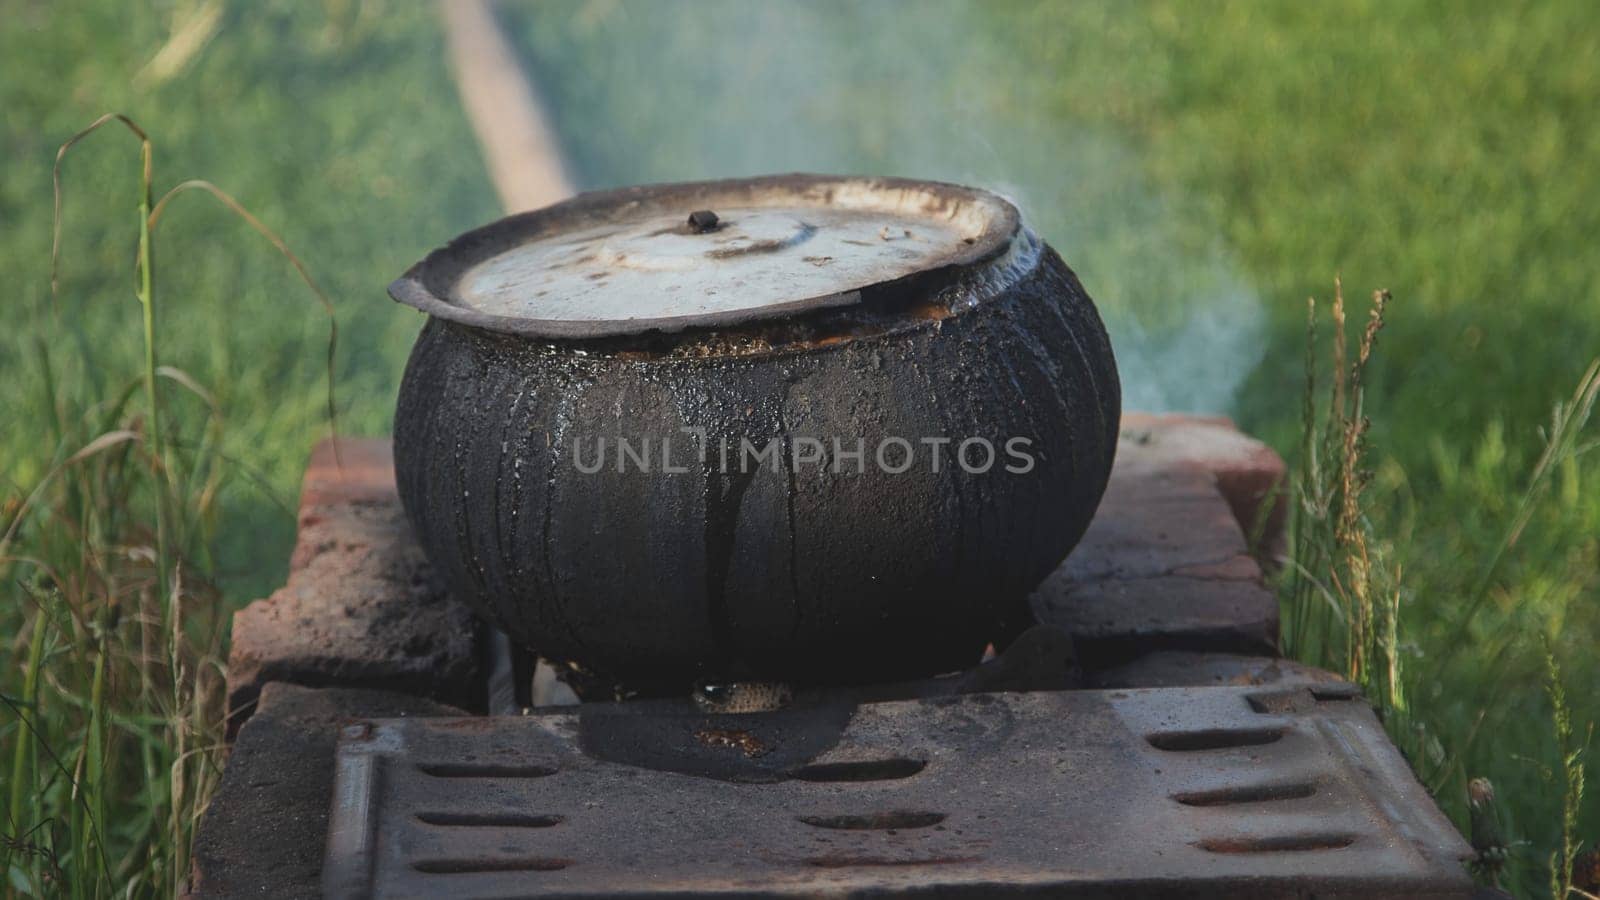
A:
{"points": [[706, 254]]}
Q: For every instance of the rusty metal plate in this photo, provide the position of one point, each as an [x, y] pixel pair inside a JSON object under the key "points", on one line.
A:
{"points": [[1194, 792]]}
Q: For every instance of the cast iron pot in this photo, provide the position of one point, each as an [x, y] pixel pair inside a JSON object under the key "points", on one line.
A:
{"points": [[723, 332]]}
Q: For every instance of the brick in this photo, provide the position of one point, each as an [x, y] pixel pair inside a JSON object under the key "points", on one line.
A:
{"points": [[1251, 475], [359, 608], [1118, 619], [1168, 668], [349, 471], [1154, 523], [264, 832], [1163, 566]]}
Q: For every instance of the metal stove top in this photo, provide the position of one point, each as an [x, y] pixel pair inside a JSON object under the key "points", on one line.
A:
{"points": [[1193, 792]]}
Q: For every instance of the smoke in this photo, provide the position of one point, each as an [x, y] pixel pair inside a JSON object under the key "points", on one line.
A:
{"points": [[668, 91]]}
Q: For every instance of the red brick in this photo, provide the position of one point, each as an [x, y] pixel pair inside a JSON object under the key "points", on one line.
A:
{"points": [[1155, 522], [359, 474], [359, 608], [1251, 475], [349, 470], [1117, 619], [1164, 565]]}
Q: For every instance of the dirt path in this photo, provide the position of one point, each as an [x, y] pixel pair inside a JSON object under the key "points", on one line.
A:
{"points": [[513, 130]]}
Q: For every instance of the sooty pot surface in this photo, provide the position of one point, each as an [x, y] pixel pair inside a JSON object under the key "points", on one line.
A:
{"points": [[799, 428]]}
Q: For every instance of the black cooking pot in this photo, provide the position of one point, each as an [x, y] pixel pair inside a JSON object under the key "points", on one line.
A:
{"points": [[798, 428]]}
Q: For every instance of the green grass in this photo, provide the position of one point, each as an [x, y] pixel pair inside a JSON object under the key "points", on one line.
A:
{"points": [[328, 121], [1205, 170], [159, 410]]}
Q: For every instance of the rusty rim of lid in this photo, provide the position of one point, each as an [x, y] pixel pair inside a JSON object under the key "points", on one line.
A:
{"points": [[705, 255]]}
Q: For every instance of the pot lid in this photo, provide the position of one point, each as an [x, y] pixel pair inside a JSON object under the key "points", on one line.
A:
{"points": [[706, 254]]}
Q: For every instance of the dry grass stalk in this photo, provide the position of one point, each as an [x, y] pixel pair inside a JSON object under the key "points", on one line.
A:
{"points": [[118, 740]]}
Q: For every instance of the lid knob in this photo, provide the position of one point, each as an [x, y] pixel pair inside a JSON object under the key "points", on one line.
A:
{"points": [[702, 221]]}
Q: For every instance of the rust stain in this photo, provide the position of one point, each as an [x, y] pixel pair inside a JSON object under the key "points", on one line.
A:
{"points": [[935, 311], [471, 724], [735, 739]]}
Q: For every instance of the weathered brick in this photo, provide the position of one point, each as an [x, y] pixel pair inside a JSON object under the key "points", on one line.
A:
{"points": [[264, 832], [1251, 475], [1163, 566], [1155, 522], [359, 608], [349, 470], [1171, 668], [1118, 619]]}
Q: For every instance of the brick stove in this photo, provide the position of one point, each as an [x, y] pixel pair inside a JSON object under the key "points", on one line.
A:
{"points": [[1189, 762]]}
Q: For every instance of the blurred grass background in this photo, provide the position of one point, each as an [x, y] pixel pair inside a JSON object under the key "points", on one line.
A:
{"points": [[336, 124], [1204, 169]]}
